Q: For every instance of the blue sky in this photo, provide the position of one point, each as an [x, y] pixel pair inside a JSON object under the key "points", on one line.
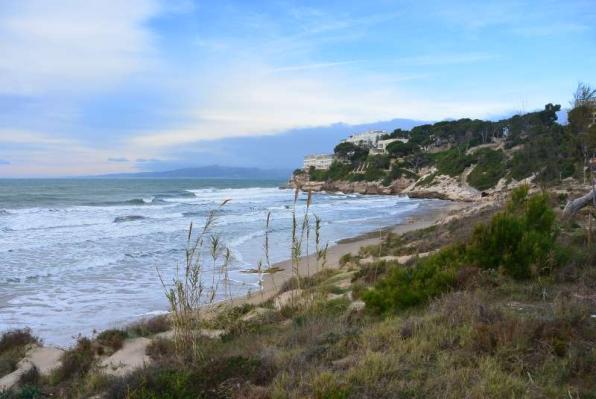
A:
{"points": [[106, 86]]}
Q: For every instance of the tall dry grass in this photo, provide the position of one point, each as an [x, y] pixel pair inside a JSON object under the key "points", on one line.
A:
{"points": [[188, 293]]}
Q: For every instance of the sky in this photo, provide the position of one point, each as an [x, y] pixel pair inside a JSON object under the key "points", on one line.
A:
{"points": [[103, 86]]}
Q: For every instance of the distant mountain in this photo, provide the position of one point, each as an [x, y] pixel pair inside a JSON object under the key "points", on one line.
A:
{"points": [[209, 172], [278, 151]]}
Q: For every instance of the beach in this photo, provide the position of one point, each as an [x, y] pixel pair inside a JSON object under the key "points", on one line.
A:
{"points": [[88, 251], [307, 265]]}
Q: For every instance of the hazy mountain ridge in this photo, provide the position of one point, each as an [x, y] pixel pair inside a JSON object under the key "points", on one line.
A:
{"points": [[208, 172]]}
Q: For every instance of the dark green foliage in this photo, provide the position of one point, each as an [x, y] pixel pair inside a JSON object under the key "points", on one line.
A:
{"points": [[398, 172], [517, 239], [350, 152], [373, 174], [25, 392], [397, 134], [217, 378], [399, 149], [317, 174], [490, 168], [378, 161], [519, 242], [550, 151], [407, 287], [338, 171], [453, 161]]}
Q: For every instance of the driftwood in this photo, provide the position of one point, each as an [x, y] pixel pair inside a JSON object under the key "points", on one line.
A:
{"points": [[574, 206]]}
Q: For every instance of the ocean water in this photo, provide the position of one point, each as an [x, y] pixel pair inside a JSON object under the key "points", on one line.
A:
{"points": [[83, 254]]}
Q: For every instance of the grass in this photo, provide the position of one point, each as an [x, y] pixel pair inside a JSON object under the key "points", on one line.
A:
{"points": [[111, 339], [456, 328], [148, 327], [13, 347]]}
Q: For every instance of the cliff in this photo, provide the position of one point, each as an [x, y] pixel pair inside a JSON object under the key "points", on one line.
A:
{"points": [[428, 186]]}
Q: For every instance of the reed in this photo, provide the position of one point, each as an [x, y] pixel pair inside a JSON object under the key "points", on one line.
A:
{"points": [[187, 292], [321, 251], [266, 249]]}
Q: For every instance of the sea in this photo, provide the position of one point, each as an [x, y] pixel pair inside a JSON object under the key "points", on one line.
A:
{"points": [[80, 255]]}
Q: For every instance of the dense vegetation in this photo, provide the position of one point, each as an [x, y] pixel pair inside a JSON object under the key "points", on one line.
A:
{"points": [[504, 312], [531, 144], [518, 242], [497, 304]]}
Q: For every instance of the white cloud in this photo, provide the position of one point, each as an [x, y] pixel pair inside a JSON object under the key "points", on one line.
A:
{"points": [[72, 45], [39, 154], [249, 99]]}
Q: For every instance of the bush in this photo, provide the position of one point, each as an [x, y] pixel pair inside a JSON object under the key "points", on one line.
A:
{"points": [[76, 362], [15, 338], [407, 287], [453, 162], [489, 169], [217, 378], [519, 242], [13, 347], [152, 326], [516, 240], [317, 174], [113, 339]]}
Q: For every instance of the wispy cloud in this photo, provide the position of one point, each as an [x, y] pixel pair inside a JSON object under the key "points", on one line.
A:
{"points": [[4, 162], [109, 85], [72, 46], [447, 59], [319, 65]]}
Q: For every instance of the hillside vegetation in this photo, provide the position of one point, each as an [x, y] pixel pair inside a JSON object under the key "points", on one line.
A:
{"points": [[497, 304], [523, 146]]}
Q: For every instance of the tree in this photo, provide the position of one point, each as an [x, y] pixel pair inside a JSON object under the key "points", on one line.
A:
{"points": [[350, 151], [584, 95], [580, 118], [400, 149]]}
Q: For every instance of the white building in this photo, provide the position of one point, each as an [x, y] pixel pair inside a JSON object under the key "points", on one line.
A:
{"points": [[366, 139], [318, 161], [382, 145]]}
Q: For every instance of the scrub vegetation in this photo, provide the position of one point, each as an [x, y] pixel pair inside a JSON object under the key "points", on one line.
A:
{"points": [[501, 306]]}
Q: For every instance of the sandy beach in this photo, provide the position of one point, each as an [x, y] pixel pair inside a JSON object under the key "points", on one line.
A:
{"points": [[308, 264]]}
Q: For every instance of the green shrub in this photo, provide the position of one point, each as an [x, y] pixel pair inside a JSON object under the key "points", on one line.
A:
{"points": [[518, 242], [490, 168], [406, 287], [217, 378], [453, 161], [317, 174]]}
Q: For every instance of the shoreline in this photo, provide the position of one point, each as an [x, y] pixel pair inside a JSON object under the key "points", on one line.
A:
{"points": [[128, 360], [307, 265]]}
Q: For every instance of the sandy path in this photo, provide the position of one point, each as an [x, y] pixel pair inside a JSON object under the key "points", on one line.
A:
{"points": [[45, 359]]}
